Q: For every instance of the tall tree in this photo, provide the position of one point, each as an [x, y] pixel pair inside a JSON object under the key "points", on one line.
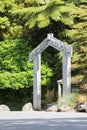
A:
{"points": [[78, 37]]}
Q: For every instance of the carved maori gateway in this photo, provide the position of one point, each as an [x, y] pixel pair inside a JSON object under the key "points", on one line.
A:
{"points": [[35, 55]]}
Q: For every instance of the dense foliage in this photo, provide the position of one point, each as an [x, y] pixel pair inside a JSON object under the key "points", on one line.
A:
{"points": [[15, 69], [24, 24]]}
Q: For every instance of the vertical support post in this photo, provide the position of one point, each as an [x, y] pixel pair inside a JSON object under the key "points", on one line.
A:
{"points": [[66, 70], [37, 83], [59, 89]]}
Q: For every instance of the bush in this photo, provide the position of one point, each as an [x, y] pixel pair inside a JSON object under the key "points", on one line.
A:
{"points": [[69, 99], [15, 70]]}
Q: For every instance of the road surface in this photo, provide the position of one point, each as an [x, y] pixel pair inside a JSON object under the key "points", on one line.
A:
{"points": [[41, 120]]}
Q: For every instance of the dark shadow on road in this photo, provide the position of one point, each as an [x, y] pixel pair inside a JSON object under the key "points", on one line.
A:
{"points": [[45, 124]]}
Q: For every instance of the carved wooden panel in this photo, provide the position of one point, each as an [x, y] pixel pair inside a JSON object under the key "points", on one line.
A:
{"points": [[53, 42]]}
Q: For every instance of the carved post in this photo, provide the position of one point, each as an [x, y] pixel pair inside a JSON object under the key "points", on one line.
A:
{"points": [[37, 83], [66, 70], [59, 89], [66, 73]]}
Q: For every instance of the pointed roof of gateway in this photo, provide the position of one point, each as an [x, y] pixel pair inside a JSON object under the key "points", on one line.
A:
{"points": [[53, 42]]}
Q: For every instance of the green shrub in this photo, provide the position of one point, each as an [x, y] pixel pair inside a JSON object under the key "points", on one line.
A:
{"points": [[15, 70], [69, 99]]}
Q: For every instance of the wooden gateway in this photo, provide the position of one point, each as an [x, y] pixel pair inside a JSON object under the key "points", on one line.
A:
{"points": [[35, 56]]}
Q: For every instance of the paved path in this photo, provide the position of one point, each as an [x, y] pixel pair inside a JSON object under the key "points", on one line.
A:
{"points": [[43, 121]]}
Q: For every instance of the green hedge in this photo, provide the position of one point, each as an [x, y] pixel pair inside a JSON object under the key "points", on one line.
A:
{"points": [[15, 70]]}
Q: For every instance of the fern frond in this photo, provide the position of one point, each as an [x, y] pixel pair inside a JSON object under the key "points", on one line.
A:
{"points": [[42, 21], [31, 9], [31, 23], [69, 8], [81, 25], [67, 21], [55, 14]]}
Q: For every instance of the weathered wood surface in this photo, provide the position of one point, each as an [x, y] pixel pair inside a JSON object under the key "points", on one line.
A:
{"points": [[53, 42], [66, 66]]}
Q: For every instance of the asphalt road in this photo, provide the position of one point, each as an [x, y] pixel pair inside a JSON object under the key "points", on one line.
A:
{"points": [[43, 121]]}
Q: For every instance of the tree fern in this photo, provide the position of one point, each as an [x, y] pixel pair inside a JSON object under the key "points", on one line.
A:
{"points": [[57, 10]]}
